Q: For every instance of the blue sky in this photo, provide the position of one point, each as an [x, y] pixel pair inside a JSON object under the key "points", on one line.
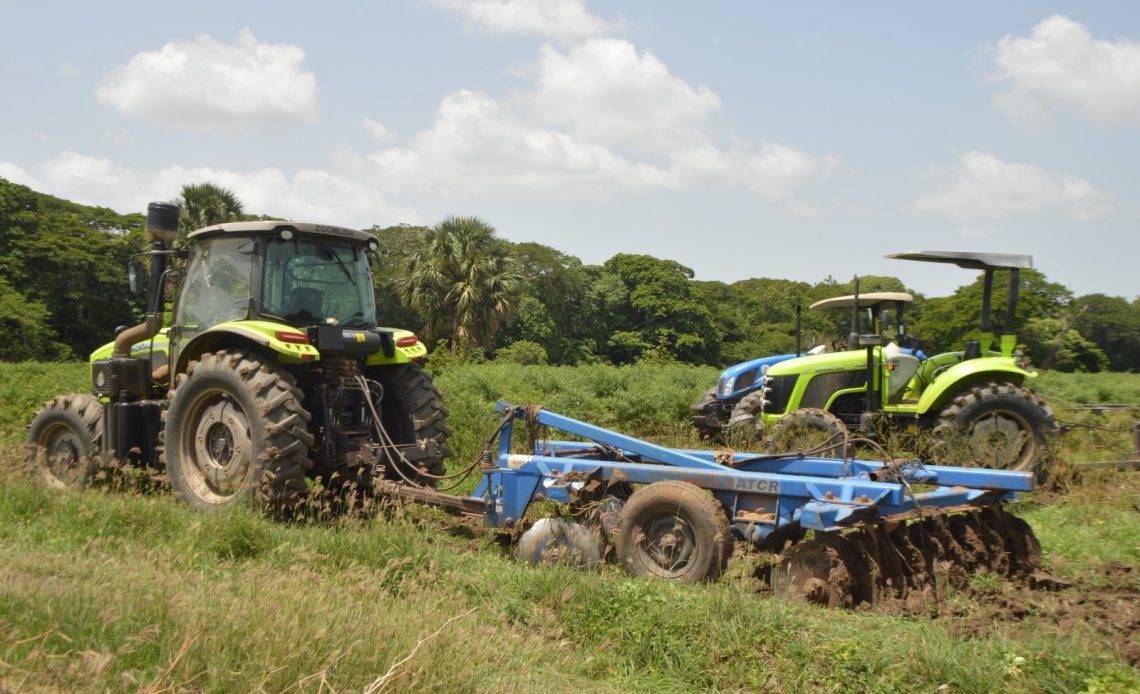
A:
{"points": [[789, 140]]}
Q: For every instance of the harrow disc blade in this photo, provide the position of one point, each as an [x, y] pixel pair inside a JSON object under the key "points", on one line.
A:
{"points": [[814, 571], [913, 562]]}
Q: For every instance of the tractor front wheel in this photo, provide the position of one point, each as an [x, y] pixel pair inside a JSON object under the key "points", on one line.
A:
{"points": [[1002, 425], [64, 440], [236, 433], [810, 431], [674, 530]]}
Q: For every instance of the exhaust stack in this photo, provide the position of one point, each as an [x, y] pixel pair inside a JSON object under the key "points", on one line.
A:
{"points": [[161, 230]]}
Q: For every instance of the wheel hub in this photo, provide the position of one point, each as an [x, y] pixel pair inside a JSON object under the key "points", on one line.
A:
{"points": [[669, 543], [223, 447], [63, 455], [999, 440]]}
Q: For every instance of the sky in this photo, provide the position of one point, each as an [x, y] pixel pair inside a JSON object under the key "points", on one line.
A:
{"points": [[741, 139]]}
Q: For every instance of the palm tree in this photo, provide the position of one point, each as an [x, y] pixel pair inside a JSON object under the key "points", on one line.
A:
{"points": [[462, 281], [206, 204]]}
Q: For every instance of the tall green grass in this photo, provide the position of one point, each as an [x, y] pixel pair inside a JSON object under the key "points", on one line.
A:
{"points": [[111, 591]]}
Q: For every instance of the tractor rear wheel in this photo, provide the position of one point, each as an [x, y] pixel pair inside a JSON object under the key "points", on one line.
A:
{"points": [[412, 411], [811, 431], [1002, 425], [236, 433], [674, 530], [64, 440]]}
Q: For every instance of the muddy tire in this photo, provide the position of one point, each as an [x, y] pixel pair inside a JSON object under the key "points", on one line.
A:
{"points": [[236, 433], [1001, 425], [745, 417], [674, 530], [412, 410], [64, 440], [810, 430]]}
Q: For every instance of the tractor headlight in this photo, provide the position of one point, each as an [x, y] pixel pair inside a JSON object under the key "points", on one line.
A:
{"points": [[727, 386]]}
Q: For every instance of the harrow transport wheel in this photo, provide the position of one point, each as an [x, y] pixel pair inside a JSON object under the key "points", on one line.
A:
{"points": [[236, 433], [412, 410], [64, 440], [810, 430], [814, 571], [674, 530], [1002, 425]]}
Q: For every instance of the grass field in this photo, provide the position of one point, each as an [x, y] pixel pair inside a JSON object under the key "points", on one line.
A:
{"points": [[115, 589]]}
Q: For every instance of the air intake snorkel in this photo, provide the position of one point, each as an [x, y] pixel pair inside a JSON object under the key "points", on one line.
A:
{"points": [[161, 230]]}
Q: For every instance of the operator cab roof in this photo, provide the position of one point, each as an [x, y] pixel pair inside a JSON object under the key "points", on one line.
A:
{"points": [[970, 261], [867, 300], [302, 228]]}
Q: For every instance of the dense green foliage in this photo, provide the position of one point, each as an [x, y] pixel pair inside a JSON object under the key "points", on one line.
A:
{"points": [[459, 284]]}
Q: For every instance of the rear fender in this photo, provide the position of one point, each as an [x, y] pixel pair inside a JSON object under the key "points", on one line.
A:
{"points": [[398, 347], [969, 373], [238, 334]]}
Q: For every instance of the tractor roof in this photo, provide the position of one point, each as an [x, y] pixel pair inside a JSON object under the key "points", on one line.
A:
{"points": [[865, 300], [970, 261], [303, 228]]}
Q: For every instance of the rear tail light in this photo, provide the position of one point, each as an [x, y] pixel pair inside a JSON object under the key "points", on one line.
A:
{"points": [[291, 337], [409, 341]]}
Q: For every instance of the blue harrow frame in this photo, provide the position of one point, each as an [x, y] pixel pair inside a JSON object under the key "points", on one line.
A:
{"points": [[759, 492]]}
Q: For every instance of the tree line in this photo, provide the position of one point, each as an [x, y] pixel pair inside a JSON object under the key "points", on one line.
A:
{"points": [[476, 296]]}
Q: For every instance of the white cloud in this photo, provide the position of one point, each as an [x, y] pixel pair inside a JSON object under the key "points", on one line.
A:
{"points": [[597, 118], [1061, 64], [984, 187], [16, 174], [378, 131], [561, 20], [305, 195], [603, 91], [204, 83], [68, 71]]}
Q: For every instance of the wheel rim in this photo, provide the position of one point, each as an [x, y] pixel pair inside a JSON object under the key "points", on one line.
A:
{"points": [[667, 545], [216, 447], [1003, 439], [62, 454]]}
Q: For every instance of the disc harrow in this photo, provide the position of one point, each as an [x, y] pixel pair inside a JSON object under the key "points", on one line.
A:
{"points": [[912, 561], [847, 532]]}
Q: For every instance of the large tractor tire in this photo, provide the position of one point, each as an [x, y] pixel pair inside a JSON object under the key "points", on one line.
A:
{"points": [[810, 431], [674, 530], [236, 433], [1001, 425], [411, 411], [64, 440], [745, 417]]}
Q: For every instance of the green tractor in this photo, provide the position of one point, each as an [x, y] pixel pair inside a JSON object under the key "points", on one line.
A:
{"points": [[974, 401], [272, 373]]}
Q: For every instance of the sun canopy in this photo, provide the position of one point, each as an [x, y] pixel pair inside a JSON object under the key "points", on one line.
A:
{"points": [[865, 300], [971, 261]]}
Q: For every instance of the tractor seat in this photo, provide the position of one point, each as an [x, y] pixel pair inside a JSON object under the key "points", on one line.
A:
{"points": [[901, 367], [304, 304]]}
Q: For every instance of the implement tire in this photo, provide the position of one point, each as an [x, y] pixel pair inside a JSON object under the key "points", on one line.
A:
{"points": [[1002, 425], [674, 530], [412, 411], [64, 440], [236, 433]]}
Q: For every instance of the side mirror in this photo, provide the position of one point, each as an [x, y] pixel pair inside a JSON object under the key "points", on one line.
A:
{"points": [[136, 277]]}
